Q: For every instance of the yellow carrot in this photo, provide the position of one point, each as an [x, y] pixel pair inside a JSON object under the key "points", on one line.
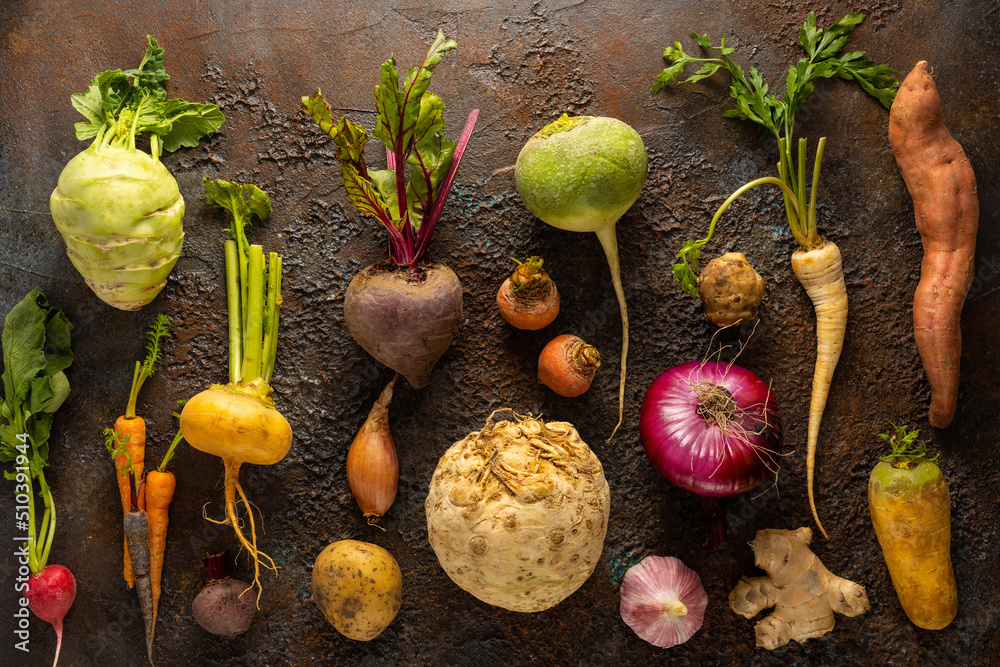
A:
{"points": [[821, 274]]}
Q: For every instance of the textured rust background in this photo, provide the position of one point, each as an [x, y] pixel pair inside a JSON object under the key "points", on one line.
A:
{"points": [[523, 64]]}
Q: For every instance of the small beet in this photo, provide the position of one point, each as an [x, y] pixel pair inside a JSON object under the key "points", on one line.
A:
{"points": [[225, 606], [405, 317]]}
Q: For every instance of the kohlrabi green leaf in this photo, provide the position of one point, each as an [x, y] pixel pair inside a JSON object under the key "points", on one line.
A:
{"points": [[151, 73], [188, 122], [100, 102], [126, 104]]}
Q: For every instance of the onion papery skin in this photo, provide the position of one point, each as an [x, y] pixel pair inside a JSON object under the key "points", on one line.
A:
{"points": [[698, 455]]}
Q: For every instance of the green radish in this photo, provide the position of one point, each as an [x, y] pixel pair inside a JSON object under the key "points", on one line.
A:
{"points": [[117, 207], [581, 174]]}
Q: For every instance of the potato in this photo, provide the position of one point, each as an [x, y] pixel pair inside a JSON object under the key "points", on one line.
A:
{"points": [[730, 289], [359, 588]]}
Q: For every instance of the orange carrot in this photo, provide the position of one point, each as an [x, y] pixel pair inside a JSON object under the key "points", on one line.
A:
{"points": [[127, 442], [159, 491], [130, 448]]}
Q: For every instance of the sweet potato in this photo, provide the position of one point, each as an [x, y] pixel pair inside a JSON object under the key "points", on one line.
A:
{"points": [[942, 184]]}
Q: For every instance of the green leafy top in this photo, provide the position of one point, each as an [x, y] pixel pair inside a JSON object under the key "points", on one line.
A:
{"points": [[121, 105], [409, 123], [36, 351], [159, 329], [905, 448], [775, 116], [243, 200]]}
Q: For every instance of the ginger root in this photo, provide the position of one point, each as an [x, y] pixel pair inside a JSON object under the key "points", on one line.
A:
{"points": [[802, 591]]}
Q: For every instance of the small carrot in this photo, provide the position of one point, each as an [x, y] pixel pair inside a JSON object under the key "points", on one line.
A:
{"points": [[136, 525], [159, 491], [911, 513], [529, 299], [127, 442], [129, 436], [567, 365]]}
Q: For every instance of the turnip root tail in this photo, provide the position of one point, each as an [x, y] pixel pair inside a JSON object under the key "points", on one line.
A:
{"points": [[609, 241], [232, 488], [822, 275]]}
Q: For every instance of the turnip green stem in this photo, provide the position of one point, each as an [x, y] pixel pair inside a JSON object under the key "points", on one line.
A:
{"points": [[253, 334], [609, 241], [235, 312], [273, 310]]}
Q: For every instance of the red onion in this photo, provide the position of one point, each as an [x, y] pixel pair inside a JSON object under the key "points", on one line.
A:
{"points": [[712, 428]]}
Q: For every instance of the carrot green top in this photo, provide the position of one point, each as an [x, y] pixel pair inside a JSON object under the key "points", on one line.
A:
{"points": [[145, 369], [906, 451]]}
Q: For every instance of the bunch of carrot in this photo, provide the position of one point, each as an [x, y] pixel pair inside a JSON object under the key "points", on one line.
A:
{"points": [[145, 500]]}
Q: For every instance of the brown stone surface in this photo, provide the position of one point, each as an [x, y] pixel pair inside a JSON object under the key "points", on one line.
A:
{"points": [[523, 64]]}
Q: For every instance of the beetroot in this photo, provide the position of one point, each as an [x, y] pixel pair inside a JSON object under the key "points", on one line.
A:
{"points": [[50, 594], [405, 310], [405, 318], [225, 606]]}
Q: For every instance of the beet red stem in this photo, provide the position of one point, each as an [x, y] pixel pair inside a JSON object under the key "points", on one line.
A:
{"points": [[216, 566], [427, 228]]}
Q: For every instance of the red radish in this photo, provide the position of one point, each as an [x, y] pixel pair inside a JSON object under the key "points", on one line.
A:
{"points": [[529, 299], [403, 311], [567, 365], [50, 594]]}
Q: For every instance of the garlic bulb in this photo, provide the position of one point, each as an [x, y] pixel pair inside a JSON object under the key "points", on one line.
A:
{"points": [[663, 601]]}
